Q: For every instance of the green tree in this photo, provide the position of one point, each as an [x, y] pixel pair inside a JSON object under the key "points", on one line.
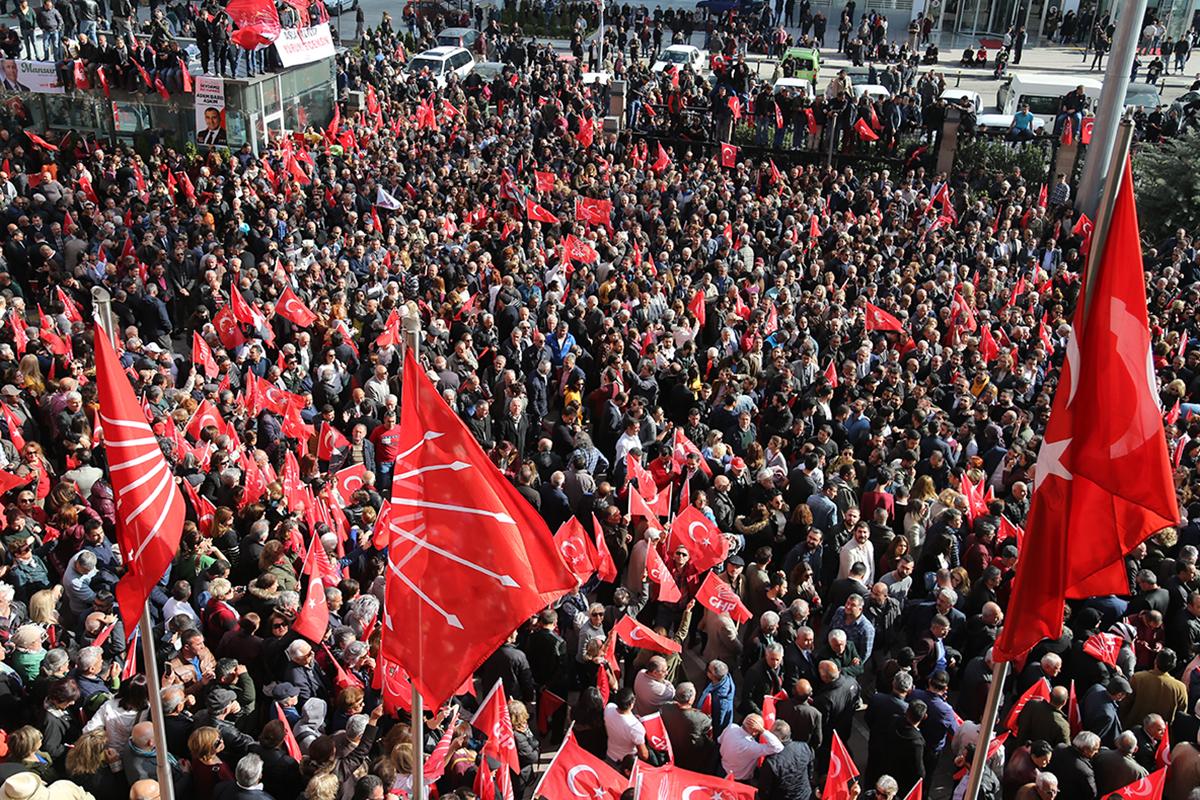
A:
{"points": [[1167, 185]]}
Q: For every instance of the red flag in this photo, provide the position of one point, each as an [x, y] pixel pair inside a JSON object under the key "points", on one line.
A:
{"points": [[485, 785], [206, 414], [575, 772], [536, 213], [670, 781], [435, 764], [348, 481], [312, 622], [811, 120], [879, 320], [1042, 195], [606, 568], [391, 335], [657, 573], [864, 131], [681, 448], [1104, 647], [696, 306], [79, 74], [1148, 788], [548, 705], [775, 174], [458, 601], [662, 161], [656, 734], [1040, 688], [290, 307], [8, 481], [1162, 754], [202, 355], [596, 212], [102, 79], [719, 597], [289, 737], [1083, 229], [1104, 485], [830, 373], [150, 509], [841, 769], [635, 634], [703, 540], [1073, 718], [187, 82], [492, 719], [202, 507], [1010, 531], [102, 637], [988, 349], [579, 250], [729, 155], [40, 142], [915, 792], [576, 548], [161, 88], [778, 117], [638, 507], [587, 133], [1173, 414], [331, 440], [543, 181], [1068, 132], [14, 427], [130, 667]]}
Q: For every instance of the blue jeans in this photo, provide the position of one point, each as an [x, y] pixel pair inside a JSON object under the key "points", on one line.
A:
{"points": [[52, 45], [87, 28]]}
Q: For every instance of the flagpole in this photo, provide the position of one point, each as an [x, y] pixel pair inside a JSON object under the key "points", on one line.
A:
{"points": [[987, 726], [557, 753], [411, 323], [1104, 210], [102, 301]]}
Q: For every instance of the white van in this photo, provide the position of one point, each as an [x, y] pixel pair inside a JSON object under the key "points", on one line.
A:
{"points": [[1043, 92], [441, 62]]}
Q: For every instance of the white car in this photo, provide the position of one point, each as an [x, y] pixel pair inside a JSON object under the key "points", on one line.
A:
{"points": [[800, 86], [681, 56], [1000, 123], [441, 62], [871, 90], [597, 78], [336, 7], [955, 97]]}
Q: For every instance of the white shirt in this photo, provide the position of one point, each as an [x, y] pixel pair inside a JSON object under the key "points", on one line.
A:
{"points": [[173, 608], [740, 751], [627, 442], [625, 733], [852, 551]]}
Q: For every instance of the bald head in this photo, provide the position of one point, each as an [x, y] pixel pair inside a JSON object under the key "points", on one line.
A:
{"points": [[1059, 697], [144, 790], [142, 735]]}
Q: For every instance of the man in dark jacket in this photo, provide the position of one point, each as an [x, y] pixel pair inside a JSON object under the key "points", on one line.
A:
{"points": [[1100, 709], [689, 730], [788, 774], [509, 665], [546, 652], [836, 699], [1072, 765], [801, 715], [899, 750]]}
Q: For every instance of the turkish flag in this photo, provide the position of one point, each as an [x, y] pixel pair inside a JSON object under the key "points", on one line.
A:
{"points": [[241, 309], [469, 567], [993, 748], [718, 596], [810, 119], [8, 481], [1104, 485], [672, 782], [635, 634], [150, 508], [1083, 229], [988, 349], [656, 734], [576, 548], [348, 481], [331, 440], [681, 448], [830, 374], [14, 427], [596, 212], [493, 720], [202, 507], [392, 682], [864, 131], [227, 329], [662, 161], [841, 769], [1040, 688], [1173, 415], [1162, 754], [696, 306], [729, 155], [202, 355], [1073, 718], [657, 572], [768, 711], [587, 133], [206, 414], [543, 181], [606, 568], [915, 792], [575, 772], [42, 143], [638, 507], [536, 213], [312, 621], [391, 331], [291, 308], [289, 737], [1104, 647], [703, 540], [1148, 788], [879, 320]]}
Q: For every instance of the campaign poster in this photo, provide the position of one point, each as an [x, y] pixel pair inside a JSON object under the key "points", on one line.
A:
{"points": [[298, 46], [210, 111], [29, 76]]}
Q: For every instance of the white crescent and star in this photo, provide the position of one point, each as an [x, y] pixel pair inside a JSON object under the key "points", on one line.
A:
{"points": [[692, 533], [575, 771]]}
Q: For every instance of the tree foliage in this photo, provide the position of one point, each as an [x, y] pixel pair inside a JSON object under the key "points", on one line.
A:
{"points": [[1167, 185]]}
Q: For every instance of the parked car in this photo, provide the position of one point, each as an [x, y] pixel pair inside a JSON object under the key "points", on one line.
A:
{"points": [[441, 62], [801, 87], [955, 97], [1142, 95], [458, 37], [338, 7], [871, 90], [683, 56], [808, 62], [719, 7], [1000, 123]]}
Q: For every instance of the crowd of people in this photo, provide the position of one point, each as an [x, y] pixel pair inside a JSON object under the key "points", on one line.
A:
{"points": [[589, 306]]}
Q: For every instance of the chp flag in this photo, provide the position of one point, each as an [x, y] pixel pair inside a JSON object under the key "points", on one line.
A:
{"points": [[464, 568], [150, 510]]}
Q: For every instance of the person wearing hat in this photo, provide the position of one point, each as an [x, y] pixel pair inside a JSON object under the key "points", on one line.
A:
{"points": [[29, 786], [220, 708], [287, 696]]}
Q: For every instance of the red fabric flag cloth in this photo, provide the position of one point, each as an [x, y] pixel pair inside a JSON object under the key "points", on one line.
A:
{"points": [[703, 540], [187, 76], [331, 440], [656, 734], [879, 320], [1040, 689], [202, 355], [595, 212], [206, 414], [638, 507], [312, 622], [435, 764], [576, 548], [775, 174], [635, 634], [575, 773], [864, 131], [830, 374], [696, 306], [1104, 647], [40, 142], [79, 73], [719, 597], [657, 572], [289, 737], [1162, 754], [493, 720], [1102, 486], [102, 79], [348, 481], [536, 213], [1074, 720], [458, 600], [548, 705], [1043, 193], [579, 250], [1148, 788], [681, 448], [587, 133], [290, 307], [662, 161], [543, 181], [1083, 229], [988, 349], [915, 792], [810, 119], [675, 783], [606, 568], [161, 88], [485, 784], [150, 510], [841, 771], [729, 154]]}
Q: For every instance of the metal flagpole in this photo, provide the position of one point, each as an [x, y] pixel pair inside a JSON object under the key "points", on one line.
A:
{"points": [[1104, 208], [987, 727], [600, 66], [102, 301], [411, 323], [1102, 153]]}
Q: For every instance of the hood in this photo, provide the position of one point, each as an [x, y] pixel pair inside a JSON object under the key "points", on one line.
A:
{"points": [[314, 712]]}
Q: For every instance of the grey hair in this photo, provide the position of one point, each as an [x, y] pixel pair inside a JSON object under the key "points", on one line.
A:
{"points": [[805, 630], [685, 692], [719, 667], [887, 784], [89, 657], [288, 600], [1126, 742], [949, 594], [86, 562], [173, 697], [1047, 780], [769, 619], [7, 592], [1086, 740], [775, 647], [355, 651], [837, 635], [249, 770], [298, 648], [55, 660], [799, 607], [903, 682], [361, 610], [355, 726]]}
